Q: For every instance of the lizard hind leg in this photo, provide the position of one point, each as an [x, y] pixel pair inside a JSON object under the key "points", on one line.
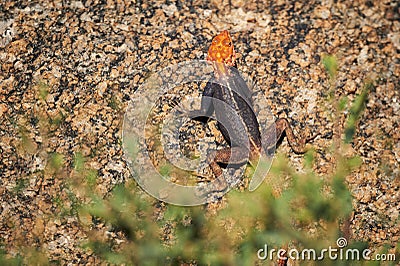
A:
{"points": [[298, 144], [235, 156], [228, 156]]}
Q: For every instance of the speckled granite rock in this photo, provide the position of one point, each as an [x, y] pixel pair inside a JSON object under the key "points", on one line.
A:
{"points": [[68, 70]]}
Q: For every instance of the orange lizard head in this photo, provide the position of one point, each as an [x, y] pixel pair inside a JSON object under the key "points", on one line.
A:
{"points": [[221, 49]]}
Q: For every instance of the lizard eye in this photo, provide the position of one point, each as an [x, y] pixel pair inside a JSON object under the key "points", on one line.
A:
{"points": [[229, 44]]}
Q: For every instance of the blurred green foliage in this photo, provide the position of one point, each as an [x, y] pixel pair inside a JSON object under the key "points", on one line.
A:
{"points": [[191, 236], [356, 111], [331, 65], [56, 161]]}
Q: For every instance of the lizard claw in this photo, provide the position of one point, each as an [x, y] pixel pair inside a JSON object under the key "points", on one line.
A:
{"points": [[312, 137], [179, 110], [177, 107], [199, 174], [215, 191]]}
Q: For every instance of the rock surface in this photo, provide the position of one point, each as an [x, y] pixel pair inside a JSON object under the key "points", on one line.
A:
{"points": [[69, 68]]}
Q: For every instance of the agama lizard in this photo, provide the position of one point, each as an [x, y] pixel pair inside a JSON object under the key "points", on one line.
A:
{"points": [[228, 95]]}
